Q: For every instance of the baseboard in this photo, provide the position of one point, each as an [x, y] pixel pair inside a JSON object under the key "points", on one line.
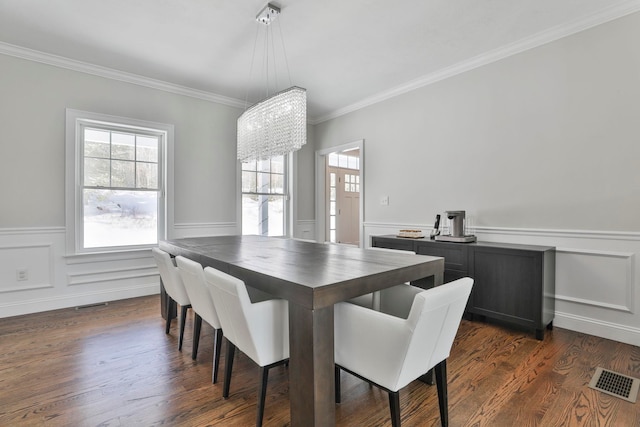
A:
{"points": [[598, 328], [37, 305]]}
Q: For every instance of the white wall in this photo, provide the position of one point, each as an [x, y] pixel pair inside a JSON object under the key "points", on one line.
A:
{"points": [[541, 147], [33, 99]]}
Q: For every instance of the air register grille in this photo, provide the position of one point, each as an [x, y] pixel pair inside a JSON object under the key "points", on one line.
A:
{"points": [[615, 384]]}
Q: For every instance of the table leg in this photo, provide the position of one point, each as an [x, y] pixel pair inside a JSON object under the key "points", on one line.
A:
{"points": [[311, 366]]}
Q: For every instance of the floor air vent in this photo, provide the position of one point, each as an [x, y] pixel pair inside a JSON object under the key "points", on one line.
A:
{"points": [[615, 384]]}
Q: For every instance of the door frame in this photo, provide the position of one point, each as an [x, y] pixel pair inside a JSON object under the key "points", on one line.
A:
{"points": [[321, 162]]}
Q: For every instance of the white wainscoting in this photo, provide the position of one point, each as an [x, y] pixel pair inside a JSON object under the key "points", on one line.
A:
{"points": [[305, 229], [597, 276], [56, 280]]}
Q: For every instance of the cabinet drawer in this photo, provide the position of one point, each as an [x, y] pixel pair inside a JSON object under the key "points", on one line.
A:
{"points": [[393, 243], [455, 255]]}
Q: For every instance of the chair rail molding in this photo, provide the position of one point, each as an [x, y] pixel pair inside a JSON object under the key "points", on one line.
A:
{"points": [[200, 229]]}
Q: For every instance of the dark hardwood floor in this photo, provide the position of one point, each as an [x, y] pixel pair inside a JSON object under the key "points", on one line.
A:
{"points": [[114, 366]]}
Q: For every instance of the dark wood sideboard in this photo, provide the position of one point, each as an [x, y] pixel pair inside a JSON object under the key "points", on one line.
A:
{"points": [[513, 283]]}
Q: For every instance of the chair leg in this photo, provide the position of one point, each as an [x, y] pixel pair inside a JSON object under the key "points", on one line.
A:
{"points": [[337, 382], [262, 391], [197, 325], [394, 405], [228, 367], [183, 320], [169, 304], [443, 400], [217, 344]]}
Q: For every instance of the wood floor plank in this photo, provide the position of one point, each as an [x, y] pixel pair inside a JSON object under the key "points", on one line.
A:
{"points": [[113, 365]]}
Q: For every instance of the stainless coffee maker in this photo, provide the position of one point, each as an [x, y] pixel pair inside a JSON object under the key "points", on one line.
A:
{"points": [[456, 229]]}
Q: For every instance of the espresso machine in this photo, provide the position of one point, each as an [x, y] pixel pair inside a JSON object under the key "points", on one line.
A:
{"points": [[456, 229]]}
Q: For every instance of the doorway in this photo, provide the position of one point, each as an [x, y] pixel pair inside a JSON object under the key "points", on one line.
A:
{"points": [[339, 194]]}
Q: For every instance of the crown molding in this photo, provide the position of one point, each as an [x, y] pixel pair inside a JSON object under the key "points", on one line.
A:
{"points": [[109, 73], [536, 40], [525, 44]]}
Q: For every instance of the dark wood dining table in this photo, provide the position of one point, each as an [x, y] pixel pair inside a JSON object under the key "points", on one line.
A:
{"points": [[312, 277]]}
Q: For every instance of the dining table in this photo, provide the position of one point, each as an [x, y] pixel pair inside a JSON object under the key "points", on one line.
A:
{"points": [[312, 277]]}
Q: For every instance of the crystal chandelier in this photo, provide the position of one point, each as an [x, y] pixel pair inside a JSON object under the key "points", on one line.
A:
{"points": [[277, 125]]}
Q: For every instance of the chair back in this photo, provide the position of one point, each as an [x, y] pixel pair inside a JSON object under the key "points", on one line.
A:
{"points": [[201, 301], [434, 318], [170, 277], [260, 330]]}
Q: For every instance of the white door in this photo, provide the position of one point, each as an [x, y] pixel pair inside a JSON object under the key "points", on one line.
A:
{"points": [[343, 205]]}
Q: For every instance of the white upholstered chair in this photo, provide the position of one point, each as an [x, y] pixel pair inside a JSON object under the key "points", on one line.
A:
{"points": [[260, 330], [173, 286], [372, 300], [412, 333], [204, 308]]}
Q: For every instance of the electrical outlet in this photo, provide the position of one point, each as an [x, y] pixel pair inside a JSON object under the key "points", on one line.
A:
{"points": [[22, 275], [384, 200]]}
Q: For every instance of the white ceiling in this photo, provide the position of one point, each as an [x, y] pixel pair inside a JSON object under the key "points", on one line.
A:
{"points": [[346, 53]]}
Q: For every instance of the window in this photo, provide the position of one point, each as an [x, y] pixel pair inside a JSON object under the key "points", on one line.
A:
{"points": [[264, 196], [118, 186]]}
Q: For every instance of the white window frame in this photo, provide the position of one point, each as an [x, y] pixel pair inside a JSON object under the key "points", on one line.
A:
{"points": [[75, 121], [288, 167]]}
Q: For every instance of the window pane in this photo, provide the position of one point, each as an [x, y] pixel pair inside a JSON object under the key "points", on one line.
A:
{"points": [[276, 216], [250, 214], [249, 166], [147, 148], [264, 165], [249, 182], [332, 193], [332, 222], [122, 174], [332, 236], [263, 182], [342, 161], [332, 179], [277, 184], [96, 143], [147, 175], [123, 146], [263, 215], [352, 162], [120, 218], [277, 164], [333, 159], [332, 208], [96, 172]]}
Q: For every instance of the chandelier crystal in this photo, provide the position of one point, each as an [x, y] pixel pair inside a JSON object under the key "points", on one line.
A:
{"points": [[274, 126]]}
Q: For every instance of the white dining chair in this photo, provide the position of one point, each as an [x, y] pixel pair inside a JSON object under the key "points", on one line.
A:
{"points": [[372, 300], [204, 308], [259, 329], [174, 288], [412, 333]]}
